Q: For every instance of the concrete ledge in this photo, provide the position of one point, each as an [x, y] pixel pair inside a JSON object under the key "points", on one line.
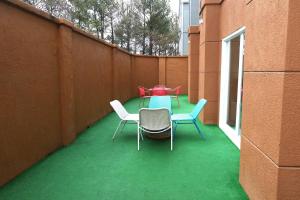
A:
{"points": [[209, 2], [194, 30]]}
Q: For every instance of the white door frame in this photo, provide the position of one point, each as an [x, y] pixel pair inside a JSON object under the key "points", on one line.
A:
{"points": [[233, 134]]}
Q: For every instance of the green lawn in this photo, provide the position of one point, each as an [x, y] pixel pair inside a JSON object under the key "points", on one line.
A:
{"points": [[94, 167]]}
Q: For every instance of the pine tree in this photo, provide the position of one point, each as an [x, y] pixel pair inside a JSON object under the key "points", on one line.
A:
{"points": [[143, 26]]}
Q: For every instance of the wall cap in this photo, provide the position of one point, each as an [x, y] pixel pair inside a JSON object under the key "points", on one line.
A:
{"points": [[194, 29], [209, 2]]}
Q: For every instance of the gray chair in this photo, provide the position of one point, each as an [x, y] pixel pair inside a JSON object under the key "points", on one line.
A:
{"points": [[154, 121]]}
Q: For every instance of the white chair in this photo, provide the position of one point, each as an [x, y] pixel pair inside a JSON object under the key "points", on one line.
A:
{"points": [[123, 115], [154, 121]]}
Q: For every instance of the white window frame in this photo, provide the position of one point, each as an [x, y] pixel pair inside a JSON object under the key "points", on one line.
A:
{"points": [[233, 134]]}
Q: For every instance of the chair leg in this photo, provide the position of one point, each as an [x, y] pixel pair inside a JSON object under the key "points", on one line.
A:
{"points": [[178, 101], [140, 102], [138, 137], [116, 131], [143, 102], [198, 129], [171, 138], [125, 122], [174, 130], [142, 137]]}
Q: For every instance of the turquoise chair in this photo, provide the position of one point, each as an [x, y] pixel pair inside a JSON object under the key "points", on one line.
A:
{"points": [[189, 118]]}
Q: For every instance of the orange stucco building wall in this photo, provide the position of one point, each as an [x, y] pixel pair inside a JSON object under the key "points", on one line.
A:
{"points": [[193, 64], [57, 80], [270, 147]]}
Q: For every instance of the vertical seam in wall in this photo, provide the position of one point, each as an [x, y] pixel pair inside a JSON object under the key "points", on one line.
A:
{"points": [[283, 85], [165, 68], [131, 76], [66, 85], [58, 52], [287, 36], [112, 74]]}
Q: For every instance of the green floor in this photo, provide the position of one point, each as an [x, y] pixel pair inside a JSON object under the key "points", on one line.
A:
{"points": [[94, 167]]}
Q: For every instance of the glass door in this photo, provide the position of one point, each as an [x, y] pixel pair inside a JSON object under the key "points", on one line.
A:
{"points": [[231, 85]]}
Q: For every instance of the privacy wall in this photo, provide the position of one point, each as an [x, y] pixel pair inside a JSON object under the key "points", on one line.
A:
{"points": [[170, 72], [57, 80]]}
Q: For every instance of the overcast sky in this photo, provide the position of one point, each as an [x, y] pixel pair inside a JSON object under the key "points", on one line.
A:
{"points": [[174, 5]]}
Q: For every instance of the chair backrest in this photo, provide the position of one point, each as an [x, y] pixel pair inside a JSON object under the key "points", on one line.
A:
{"points": [[199, 106], [119, 109], [142, 91], [177, 90], [154, 119]]}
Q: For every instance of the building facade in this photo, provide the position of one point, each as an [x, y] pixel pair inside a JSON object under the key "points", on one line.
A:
{"points": [[245, 60], [188, 16]]}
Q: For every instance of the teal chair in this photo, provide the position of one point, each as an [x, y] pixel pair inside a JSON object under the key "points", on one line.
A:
{"points": [[189, 118]]}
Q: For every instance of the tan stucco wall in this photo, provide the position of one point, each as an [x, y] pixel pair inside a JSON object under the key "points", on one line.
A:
{"points": [[177, 73], [57, 80], [145, 72], [193, 63], [91, 78], [121, 75], [173, 72], [29, 91], [271, 131], [270, 153]]}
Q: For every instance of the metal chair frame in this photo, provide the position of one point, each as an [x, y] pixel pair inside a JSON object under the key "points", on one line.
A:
{"points": [[192, 117]]}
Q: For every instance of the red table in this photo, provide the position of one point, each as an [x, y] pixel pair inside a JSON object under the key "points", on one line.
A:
{"points": [[159, 90]]}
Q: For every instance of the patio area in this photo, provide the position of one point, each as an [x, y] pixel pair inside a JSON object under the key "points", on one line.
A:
{"points": [[95, 167], [57, 81]]}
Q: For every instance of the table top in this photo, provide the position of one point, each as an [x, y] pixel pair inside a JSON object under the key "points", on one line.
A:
{"points": [[160, 88], [159, 91], [160, 102]]}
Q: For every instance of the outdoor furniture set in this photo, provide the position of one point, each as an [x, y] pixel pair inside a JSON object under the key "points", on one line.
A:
{"points": [[158, 118]]}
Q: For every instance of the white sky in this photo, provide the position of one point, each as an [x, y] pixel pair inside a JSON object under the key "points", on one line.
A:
{"points": [[174, 4]]}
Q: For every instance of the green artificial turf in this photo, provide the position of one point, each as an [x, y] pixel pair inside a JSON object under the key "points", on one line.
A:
{"points": [[95, 167]]}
